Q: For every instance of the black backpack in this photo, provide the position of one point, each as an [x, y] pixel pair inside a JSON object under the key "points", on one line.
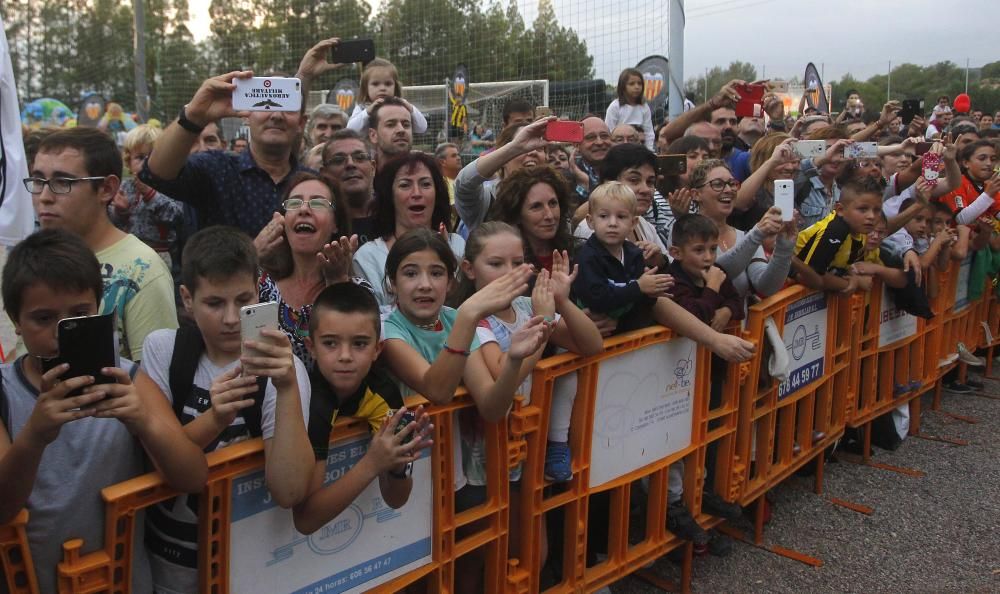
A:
{"points": [[188, 349]]}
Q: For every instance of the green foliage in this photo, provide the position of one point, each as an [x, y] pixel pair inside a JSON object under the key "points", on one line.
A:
{"points": [[718, 76], [64, 48]]}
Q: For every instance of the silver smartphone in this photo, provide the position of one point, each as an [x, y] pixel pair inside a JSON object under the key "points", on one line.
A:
{"points": [[254, 319], [810, 149], [861, 150], [784, 198]]}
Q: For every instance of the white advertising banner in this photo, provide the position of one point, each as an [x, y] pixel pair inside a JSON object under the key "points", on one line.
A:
{"points": [[644, 408], [894, 324], [805, 341], [368, 544]]}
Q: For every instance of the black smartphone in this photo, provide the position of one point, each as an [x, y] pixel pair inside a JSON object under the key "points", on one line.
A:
{"points": [[911, 109], [671, 164], [407, 418], [354, 50], [923, 147], [88, 344]]}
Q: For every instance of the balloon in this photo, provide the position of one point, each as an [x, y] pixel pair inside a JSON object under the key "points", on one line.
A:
{"points": [[963, 103]]}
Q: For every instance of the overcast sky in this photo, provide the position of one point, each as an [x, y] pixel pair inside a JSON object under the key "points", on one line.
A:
{"points": [[778, 36]]}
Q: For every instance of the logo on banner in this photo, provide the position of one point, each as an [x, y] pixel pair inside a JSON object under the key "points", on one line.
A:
{"points": [[458, 89], [655, 75], [343, 94]]}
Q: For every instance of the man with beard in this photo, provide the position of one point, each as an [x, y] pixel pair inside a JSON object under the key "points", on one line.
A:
{"points": [[724, 118], [241, 190], [390, 130], [710, 134], [347, 161]]}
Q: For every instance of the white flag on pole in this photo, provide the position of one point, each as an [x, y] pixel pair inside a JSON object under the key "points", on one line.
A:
{"points": [[17, 217]]}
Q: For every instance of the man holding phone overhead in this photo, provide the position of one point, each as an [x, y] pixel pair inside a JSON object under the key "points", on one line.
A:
{"points": [[242, 190]]}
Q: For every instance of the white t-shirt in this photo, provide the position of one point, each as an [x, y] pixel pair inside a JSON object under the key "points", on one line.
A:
{"points": [[169, 519]]}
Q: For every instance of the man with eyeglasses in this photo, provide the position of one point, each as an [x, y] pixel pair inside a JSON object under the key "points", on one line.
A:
{"points": [[74, 177], [347, 162]]}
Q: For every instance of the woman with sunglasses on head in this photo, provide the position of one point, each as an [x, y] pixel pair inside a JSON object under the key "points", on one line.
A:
{"points": [[304, 248], [741, 254]]}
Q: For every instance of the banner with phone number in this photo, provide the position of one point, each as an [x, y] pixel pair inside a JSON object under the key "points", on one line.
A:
{"points": [[805, 340], [368, 544]]}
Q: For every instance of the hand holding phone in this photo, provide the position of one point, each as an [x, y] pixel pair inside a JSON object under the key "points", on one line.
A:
{"points": [[671, 165], [751, 103], [810, 149], [784, 198], [354, 50], [911, 109], [267, 93], [253, 320], [88, 344], [564, 131], [861, 150]]}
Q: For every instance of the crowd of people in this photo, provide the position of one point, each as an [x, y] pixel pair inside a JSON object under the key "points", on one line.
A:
{"points": [[398, 272]]}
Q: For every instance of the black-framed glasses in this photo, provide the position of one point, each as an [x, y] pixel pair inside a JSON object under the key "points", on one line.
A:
{"points": [[718, 185], [339, 159], [315, 203], [58, 185]]}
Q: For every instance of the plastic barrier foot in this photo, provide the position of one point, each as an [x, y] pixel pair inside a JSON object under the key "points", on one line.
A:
{"points": [[891, 468], [951, 440], [964, 418], [777, 550]]}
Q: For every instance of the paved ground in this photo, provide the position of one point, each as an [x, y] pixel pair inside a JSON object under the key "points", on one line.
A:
{"points": [[938, 533]]}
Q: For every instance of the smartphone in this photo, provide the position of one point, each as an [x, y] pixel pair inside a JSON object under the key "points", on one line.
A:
{"points": [[542, 111], [267, 93], [407, 418], [784, 198], [861, 150], [668, 165], [810, 149], [254, 318], [911, 109], [923, 147], [779, 86], [354, 50], [88, 344], [564, 131], [751, 103]]}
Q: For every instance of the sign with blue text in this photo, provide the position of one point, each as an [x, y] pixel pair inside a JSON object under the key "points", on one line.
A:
{"points": [[805, 341]]}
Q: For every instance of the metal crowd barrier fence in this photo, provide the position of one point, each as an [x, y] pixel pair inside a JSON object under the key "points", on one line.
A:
{"points": [[646, 403]]}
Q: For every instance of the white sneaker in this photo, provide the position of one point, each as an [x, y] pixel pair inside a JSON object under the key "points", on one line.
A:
{"points": [[966, 356]]}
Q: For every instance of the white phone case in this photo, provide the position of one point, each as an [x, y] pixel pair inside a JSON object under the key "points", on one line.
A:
{"points": [[254, 318], [861, 150], [267, 93], [784, 198], [810, 149]]}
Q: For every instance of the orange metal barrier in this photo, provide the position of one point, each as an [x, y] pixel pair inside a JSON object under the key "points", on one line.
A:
{"points": [[784, 426], [627, 546], [757, 431]]}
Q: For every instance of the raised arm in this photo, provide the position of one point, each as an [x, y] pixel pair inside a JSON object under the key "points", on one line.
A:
{"points": [[726, 96]]}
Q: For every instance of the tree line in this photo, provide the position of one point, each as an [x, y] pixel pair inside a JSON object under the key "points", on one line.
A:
{"points": [[66, 48], [909, 81]]}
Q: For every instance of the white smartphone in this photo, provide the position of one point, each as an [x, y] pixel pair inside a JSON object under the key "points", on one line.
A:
{"points": [[784, 198], [810, 149], [861, 150], [254, 318], [267, 93]]}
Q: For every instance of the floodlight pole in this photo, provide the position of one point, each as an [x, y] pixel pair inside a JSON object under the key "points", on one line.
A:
{"points": [[675, 55], [139, 42]]}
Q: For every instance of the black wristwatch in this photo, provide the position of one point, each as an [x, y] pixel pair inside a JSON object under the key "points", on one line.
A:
{"points": [[406, 473], [188, 124]]}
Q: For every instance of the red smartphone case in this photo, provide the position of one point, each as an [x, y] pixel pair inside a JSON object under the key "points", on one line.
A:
{"points": [[564, 131], [751, 103]]}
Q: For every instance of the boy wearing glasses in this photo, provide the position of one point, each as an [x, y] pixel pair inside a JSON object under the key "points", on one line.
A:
{"points": [[76, 174]]}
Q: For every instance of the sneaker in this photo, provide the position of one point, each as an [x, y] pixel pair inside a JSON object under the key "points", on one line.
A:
{"points": [[720, 545], [714, 505], [558, 467], [818, 436], [966, 356], [958, 388], [683, 525]]}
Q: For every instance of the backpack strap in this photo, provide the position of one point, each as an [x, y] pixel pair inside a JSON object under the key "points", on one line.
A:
{"points": [[188, 348]]}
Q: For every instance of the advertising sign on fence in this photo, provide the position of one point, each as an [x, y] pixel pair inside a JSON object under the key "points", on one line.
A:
{"points": [[368, 544], [894, 324], [805, 341], [644, 408]]}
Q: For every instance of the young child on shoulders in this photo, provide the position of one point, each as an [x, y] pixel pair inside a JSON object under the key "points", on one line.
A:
{"points": [[630, 107], [613, 279], [379, 80], [225, 389], [49, 423], [700, 286], [344, 333], [139, 209]]}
